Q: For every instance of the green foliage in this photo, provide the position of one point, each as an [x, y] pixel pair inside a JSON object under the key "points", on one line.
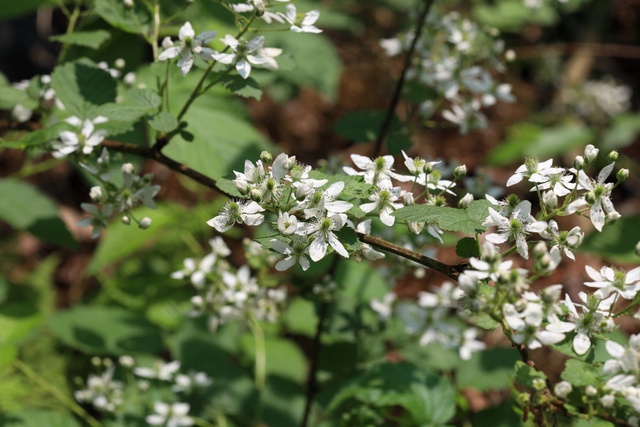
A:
{"points": [[622, 132], [300, 317], [90, 39], [617, 243], [525, 374], [122, 112], [83, 87], [26, 208], [246, 88], [488, 370], [467, 221], [106, 331], [136, 19], [513, 15], [531, 140], [426, 397], [363, 126], [468, 247], [581, 374], [38, 418], [145, 98], [163, 122], [42, 136], [10, 96]]}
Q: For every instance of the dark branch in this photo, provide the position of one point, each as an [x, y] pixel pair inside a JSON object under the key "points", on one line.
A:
{"points": [[386, 123]]}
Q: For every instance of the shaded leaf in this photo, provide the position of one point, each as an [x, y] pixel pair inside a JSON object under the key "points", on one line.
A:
{"points": [[145, 98], [90, 39], [163, 122], [525, 374], [44, 135], [617, 242], [581, 374], [246, 88], [135, 19], [363, 126], [467, 247], [122, 112]]}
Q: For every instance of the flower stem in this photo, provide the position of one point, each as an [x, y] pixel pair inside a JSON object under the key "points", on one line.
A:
{"points": [[64, 399], [260, 368], [73, 20]]}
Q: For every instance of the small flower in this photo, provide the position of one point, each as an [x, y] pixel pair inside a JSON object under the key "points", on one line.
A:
{"points": [[598, 196], [384, 201], [377, 172], [196, 271], [161, 370], [321, 201], [563, 241], [85, 141], [301, 22], [237, 212], [517, 227], [219, 247], [534, 171], [322, 232], [170, 416], [295, 253], [246, 53], [189, 46], [384, 308], [608, 280], [367, 250], [562, 389]]}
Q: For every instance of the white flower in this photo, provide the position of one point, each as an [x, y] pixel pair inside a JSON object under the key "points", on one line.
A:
{"points": [[219, 247], [490, 265], [384, 308], [526, 325], [562, 389], [161, 370], [377, 172], [534, 171], [517, 227], [434, 181], [384, 201], [557, 182], [287, 224], [170, 416], [267, 16], [322, 230], [189, 382], [196, 271], [563, 241], [321, 201], [85, 140], [237, 211], [295, 253], [609, 280], [598, 196], [470, 344], [245, 53], [303, 22], [98, 218], [190, 46]]}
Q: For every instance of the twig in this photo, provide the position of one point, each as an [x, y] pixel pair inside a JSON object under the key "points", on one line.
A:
{"points": [[386, 123]]}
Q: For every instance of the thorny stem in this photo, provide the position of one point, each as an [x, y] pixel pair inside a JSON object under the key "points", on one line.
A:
{"points": [[56, 393], [386, 123]]}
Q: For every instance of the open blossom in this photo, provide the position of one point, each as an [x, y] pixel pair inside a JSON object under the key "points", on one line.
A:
{"points": [[526, 326], [196, 271], [557, 182], [189, 46], [237, 211], [295, 252], [598, 196], [160, 370], [608, 280], [301, 22], [321, 201], [385, 202], [260, 5], [247, 53], [533, 170], [377, 172], [563, 241], [322, 232], [384, 308], [84, 141], [174, 415], [490, 265], [367, 250], [516, 227]]}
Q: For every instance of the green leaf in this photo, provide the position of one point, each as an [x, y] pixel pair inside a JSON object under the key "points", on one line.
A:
{"points": [[228, 187], [12, 9], [363, 126], [106, 331], [525, 374], [349, 239], [90, 39], [488, 370], [284, 357], [163, 122], [530, 140], [10, 96], [468, 221], [17, 319], [82, 87], [467, 247], [513, 15], [145, 98], [617, 242], [300, 317], [22, 205], [397, 142], [246, 88], [581, 374], [122, 112], [136, 19], [8, 354], [621, 133], [114, 127], [427, 397], [44, 135], [38, 418]]}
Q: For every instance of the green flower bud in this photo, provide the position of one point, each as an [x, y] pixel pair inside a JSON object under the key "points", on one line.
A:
{"points": [[126, 220], [550, 199], [460, 171], [612, 217], [579, 163], [623, 174], [266, 157], [613, 156], [145, 222], [465, 201]]}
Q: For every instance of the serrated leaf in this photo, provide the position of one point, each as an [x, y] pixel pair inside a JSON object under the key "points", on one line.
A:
{"points": [[163, 122], [484, 321], [44, 135], [122, 112], [115, 127], [145, 98], [135, 19], [349, 239], [525, 374], [468, 247], [363, 126], [228, 187], [246, 88], [106, 331], [467, 221], [581, 374], [90, 39], [83, 87], [11, 96], [420, 213]]}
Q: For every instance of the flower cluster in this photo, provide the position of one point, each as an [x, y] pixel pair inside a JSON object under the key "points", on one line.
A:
{"points": [[595, 100], [455, 59]]}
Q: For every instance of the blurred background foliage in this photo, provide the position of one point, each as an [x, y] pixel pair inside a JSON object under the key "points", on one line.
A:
{"points": [[65, 298]]}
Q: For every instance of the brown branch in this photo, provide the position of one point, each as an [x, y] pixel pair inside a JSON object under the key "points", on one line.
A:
{"points": [[594, 49], [451, 271], [386, 123]]}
